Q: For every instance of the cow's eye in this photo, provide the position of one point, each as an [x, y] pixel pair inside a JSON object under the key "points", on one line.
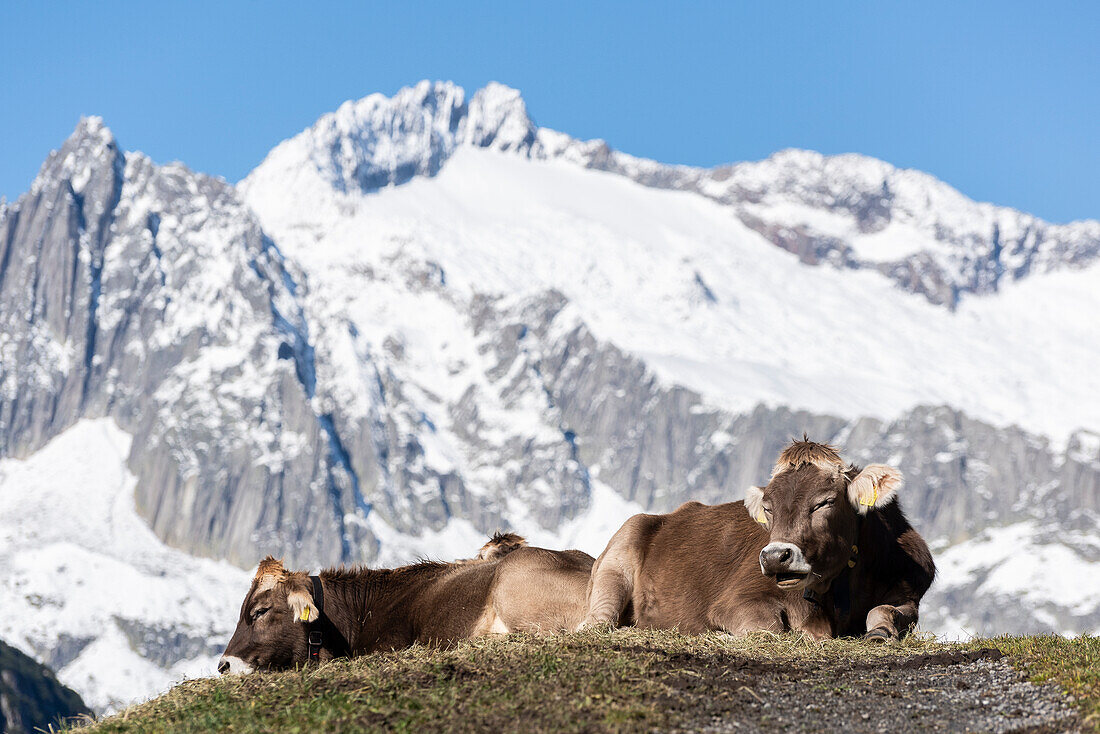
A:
{"points": [[260, 612], [823, 504]]}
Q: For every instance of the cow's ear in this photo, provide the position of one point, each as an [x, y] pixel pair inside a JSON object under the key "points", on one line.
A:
{"points": [[301, 606], [754, 503], [874, 487]]}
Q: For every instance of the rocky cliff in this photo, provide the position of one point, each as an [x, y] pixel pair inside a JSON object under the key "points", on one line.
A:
{"points": [[31, 699], [149, 294]]}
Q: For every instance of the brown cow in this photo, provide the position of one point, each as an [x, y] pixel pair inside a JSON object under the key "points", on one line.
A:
{"points": [[829, 553], [288, 618]]}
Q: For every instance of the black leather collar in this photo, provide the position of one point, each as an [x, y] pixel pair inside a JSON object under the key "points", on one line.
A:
{"points": [[315, 641], [318, 594]]}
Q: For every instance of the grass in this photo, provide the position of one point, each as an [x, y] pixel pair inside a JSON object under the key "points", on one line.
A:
{"points": [[622, 680]]}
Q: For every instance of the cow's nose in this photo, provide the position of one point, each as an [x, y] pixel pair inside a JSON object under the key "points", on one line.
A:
{"points": [[775, 557], [783, 559], [223, 666]]}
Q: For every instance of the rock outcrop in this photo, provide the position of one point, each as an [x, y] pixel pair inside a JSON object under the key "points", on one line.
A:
{"points": [[31, 699]]}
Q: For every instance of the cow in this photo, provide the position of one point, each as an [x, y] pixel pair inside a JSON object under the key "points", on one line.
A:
{"points": [[823, 548], [289, 617]]}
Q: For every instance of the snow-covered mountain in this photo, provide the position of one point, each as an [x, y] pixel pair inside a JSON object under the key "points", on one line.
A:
{"points": [[89, 589], [849, 211], [425, 318]]}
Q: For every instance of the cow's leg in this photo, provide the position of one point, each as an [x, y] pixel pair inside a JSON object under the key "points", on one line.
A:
{"points": [[816, 625], [742, 613], [886, 622], [750, 618], [611, 586]]}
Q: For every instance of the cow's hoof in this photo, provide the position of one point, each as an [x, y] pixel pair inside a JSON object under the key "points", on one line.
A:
{"points": [[878, 634], [594, 624]]}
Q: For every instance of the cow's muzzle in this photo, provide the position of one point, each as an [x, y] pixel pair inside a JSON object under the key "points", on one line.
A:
{"points": [[785, 562], [233, 664]]}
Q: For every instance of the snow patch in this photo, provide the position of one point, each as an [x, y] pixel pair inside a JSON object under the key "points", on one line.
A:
{"points": [[1050, 573], [87, 584]]}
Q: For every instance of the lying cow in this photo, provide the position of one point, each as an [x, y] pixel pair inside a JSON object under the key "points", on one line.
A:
{"points": [[290, 617], [823, 548]]}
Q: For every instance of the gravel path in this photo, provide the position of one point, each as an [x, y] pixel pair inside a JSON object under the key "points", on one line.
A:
{"points": [[952, 692]]}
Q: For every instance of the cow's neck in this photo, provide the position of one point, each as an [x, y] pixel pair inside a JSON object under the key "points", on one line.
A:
{"points": [[854, 576], [333, 624], [369, 607], [838, 588]]}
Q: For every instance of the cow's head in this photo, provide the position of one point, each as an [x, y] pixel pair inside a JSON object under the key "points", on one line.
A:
{"points": [[811, 510], [272, 632]]}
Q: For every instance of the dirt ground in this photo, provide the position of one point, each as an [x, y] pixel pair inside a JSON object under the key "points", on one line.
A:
{"points": [[952, 692]]}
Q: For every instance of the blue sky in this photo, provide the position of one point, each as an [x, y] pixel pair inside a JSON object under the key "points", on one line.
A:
{"points": [[1002, 100]]}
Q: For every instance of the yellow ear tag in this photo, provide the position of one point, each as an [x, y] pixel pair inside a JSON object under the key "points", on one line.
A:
{"points": [[871, 502], [761, 518], [305, 614]]}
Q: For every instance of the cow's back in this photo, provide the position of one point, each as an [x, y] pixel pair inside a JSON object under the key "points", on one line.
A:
{"points": [[528, 589], [450, 606], [540, 590]]}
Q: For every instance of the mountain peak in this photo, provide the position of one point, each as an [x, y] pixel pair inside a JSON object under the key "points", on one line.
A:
{"points": [[425, 96], [91, 127], [498, 118], [90, 151], [379, 141]]}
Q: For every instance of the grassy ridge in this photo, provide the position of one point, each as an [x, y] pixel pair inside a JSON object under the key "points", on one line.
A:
{"points": [[592, 681]]}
